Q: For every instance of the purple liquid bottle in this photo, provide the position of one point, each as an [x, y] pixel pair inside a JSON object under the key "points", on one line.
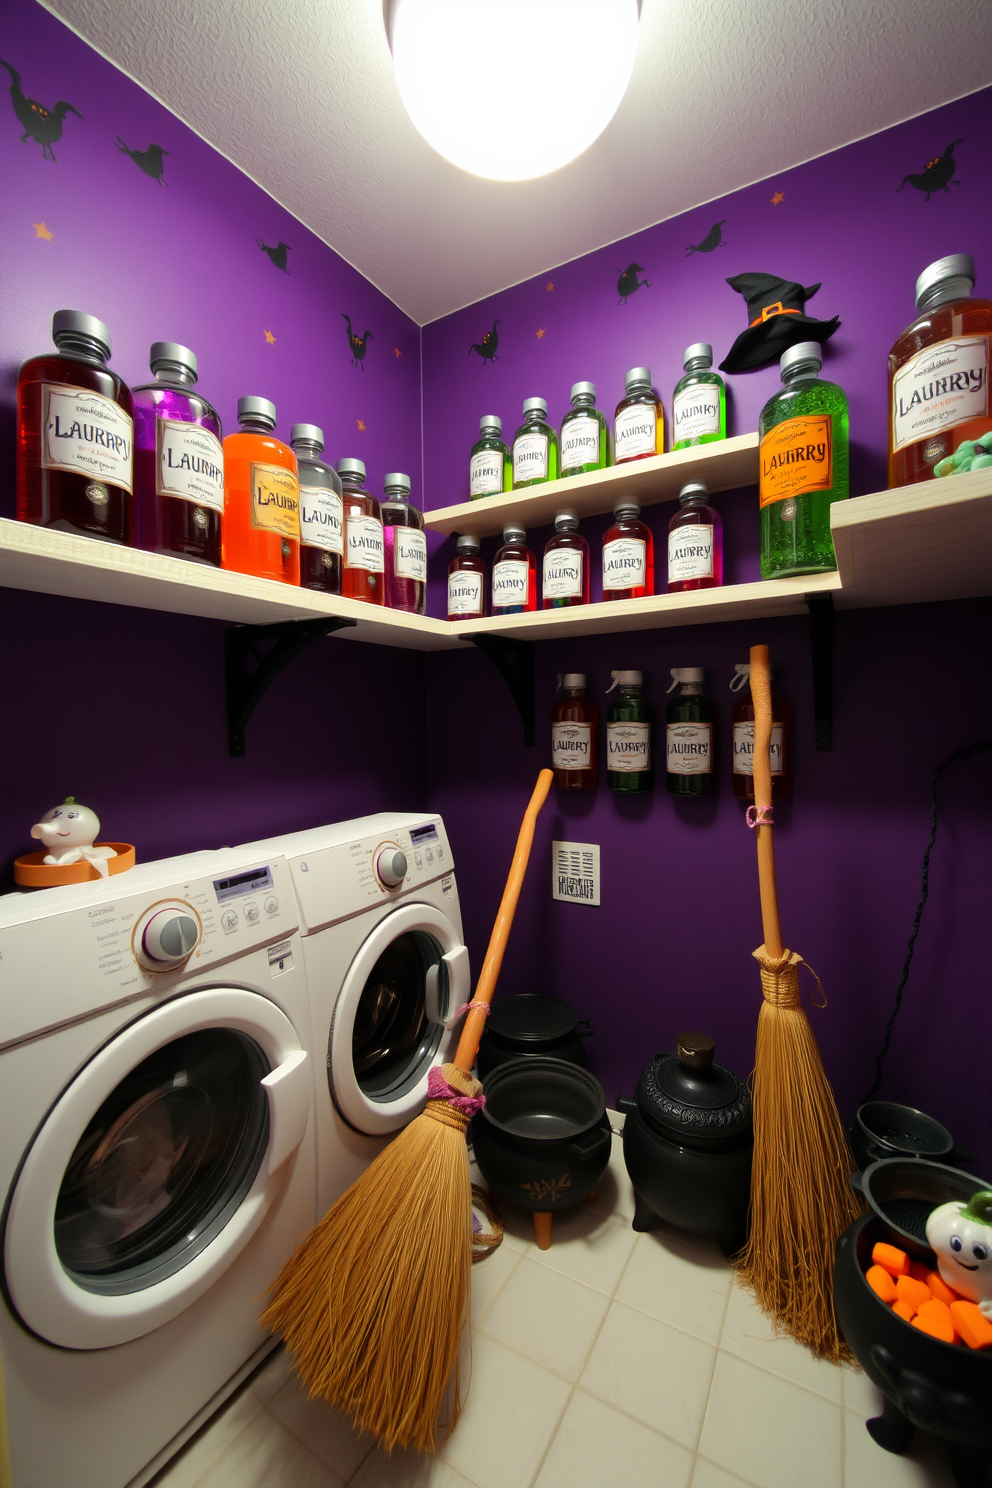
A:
{"points": [[178, 461], [406, 548]]}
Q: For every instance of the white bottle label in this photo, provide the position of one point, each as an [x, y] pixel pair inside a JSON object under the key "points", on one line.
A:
{"points": [[939, 387], [580, 442], [634, 432], [510, 582], [690, 748], [530, 457], [628, 747], [624, 563], [364, 544], [88, 434], [571, 746], [321, 519], [744, 749], [409, 554], [464, 592], [690, 553], [696, 411], [189, 463], [563, 574], [485, 474]]}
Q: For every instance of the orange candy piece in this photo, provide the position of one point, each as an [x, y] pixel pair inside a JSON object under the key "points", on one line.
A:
{"points": [[935, 1319], [939, 1288], [904, 1310], [881, 1283], [916, 1293], [890, 1258], [972, 1324]]}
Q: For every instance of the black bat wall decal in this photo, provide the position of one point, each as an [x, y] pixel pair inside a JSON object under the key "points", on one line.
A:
{"points": [[357, 344], [41, 124], [937, 175], [151, 161], [487, 346], [277, 255], [713, 239], [628, 283]]}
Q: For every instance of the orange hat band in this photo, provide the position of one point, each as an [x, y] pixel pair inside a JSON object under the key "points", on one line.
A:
{"points": [[770, 310]]}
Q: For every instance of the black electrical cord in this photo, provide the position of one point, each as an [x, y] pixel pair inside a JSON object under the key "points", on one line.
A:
{"points": [[959, 754]]}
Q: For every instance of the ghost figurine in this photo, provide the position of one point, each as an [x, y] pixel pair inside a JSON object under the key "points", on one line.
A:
{"points": [[961, 1236], [69, 832]]}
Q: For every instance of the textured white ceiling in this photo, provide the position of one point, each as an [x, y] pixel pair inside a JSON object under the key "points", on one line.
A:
{"points": [[300, 95]]}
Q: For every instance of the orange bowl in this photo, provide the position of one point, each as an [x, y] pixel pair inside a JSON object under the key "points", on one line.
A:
{"points": [[34, 873]]}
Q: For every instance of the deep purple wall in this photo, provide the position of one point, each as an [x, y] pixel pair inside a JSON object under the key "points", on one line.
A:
{"points": [[670, 946]]}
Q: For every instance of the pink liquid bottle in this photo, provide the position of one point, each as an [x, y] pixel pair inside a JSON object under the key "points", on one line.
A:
{"points": [[628, 554], [695, 542], [405, 548]]}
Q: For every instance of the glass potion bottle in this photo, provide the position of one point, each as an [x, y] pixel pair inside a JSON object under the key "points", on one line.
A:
{"points": [[803, 457], [405, 548], [514, 574], [75, 435], [261, 532], [695, 541], [628, 736], [535, 447], [628, 554], [321, 521], [467, 580], [939, 377], [690, 725], [178, 461], [574, 730], [584, 441], [699, 402], [490, 469], [566, 565], [779, 748], [639, 423], [363, 571]]}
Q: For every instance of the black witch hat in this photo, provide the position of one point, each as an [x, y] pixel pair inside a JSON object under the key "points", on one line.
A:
{"points": [[775, 321]]}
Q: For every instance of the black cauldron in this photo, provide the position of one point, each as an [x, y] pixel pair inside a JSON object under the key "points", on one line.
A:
{"points": [[904, 1191], [529, 1025], [940, 1387], [543, 1140], [885, 1129], [687, 1143]]}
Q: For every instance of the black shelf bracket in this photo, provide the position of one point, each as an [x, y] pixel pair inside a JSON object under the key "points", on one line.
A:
{"points": [[514, 660], [821, 636], [249, 669]]}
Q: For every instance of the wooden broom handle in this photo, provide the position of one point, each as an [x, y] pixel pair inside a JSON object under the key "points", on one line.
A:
{"points": [[761, 696], [475, 1021]]}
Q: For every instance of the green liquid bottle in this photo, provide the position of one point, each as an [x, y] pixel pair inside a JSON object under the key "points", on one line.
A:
{"points": [[490, 471], [690, 725], [584, 441], [804, 466], [699, 402], [628, 736], [535, 447]]}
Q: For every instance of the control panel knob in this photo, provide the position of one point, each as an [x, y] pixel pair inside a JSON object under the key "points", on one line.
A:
{"points": [[167, 937], [390, 866]]}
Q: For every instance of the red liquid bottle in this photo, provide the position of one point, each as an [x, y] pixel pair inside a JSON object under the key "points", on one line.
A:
{"points": [[695, 542], [363, 576], [467, 581], [628, 555], [75, 435], [779, 748], [514, 574], [321, 523], [575, 736], [566, 565]]}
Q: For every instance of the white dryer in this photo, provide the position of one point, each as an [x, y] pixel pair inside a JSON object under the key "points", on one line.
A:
{"points": [[387, 970], [156, 1154]]}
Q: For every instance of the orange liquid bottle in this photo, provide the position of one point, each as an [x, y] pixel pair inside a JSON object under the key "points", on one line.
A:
{"points": [[261, 532]]}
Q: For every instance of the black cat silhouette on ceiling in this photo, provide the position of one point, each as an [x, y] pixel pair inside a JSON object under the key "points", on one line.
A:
{"points": [[41, 124], [713, 239], [629, 284], [277, 254], [151, 161], [487, 346], [937, 175], [357, 344]]}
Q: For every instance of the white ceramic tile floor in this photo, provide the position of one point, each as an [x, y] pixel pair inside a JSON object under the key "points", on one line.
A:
{"points": [[610, 1359]]}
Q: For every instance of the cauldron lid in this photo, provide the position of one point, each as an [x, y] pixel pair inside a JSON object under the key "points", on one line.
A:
{"points": [[687, 1092], [531, 1018]]}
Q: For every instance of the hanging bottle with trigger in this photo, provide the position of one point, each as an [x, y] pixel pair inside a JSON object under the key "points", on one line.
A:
{"points": [[689, 730], [779, 749], [628, 736]]}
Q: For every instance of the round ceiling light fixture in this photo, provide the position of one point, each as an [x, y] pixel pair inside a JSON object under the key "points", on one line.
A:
{"points": [[512, 89]]}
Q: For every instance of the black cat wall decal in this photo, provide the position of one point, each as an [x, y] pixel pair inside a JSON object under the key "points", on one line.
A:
{"points": [[713, 239], [41, 124], [357, 344], [151, 161], [487, 346], [937, 174], [629, 284], [277, 254]]}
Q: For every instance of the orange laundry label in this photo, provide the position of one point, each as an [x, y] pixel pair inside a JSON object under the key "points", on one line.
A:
{"points": [[275, 500], [796, 456]]}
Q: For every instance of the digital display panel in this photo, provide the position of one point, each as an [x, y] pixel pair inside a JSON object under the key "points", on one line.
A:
{"points": [[238, 884], [423, 834]]}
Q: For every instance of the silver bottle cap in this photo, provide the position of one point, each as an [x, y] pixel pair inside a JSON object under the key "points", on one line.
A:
{"points": [[307, 434], [694, 489], [582, 390], [169, 356], [574, 680], [468, 543], [490, 421], [532, 405], [514, 532], [76, 325], [806, 353], [696, 352], [637, 377], [627, 506], [954, 266], [258, 410], [396, 484], [564, 519], [351, 467]]}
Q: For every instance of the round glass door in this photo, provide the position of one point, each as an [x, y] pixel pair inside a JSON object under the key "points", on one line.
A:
{"points": [[392, 1038]]}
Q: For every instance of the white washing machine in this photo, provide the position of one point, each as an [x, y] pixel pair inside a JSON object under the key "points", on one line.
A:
{"points": [[156, 1154], [387, 970]]}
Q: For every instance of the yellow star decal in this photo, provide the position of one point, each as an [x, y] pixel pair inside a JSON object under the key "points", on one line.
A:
{"points": [[539, 334], [778, 197], [41, 231], [549, 286], [361, 426], [397, 351], [270, 338]]}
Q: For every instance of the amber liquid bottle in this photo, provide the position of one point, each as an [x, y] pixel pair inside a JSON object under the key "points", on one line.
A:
{"points": [[628, 554], [779, 748], [261, 498], [364, 573], [939, 377], [467, 580], [574, 736], [321, 525], [75, 435]]}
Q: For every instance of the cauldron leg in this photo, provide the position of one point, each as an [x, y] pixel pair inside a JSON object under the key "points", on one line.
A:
{"points": [[542, 1230], [969, 1468], [891, 1429], [644, 1218]]}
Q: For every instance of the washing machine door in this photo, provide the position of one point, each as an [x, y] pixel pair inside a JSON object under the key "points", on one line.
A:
{"points": [[394, 1017], [154, 1168]]}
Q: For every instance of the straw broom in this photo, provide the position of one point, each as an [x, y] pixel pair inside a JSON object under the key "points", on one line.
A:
{"points": [[373, 1303], [801, 1199]]}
